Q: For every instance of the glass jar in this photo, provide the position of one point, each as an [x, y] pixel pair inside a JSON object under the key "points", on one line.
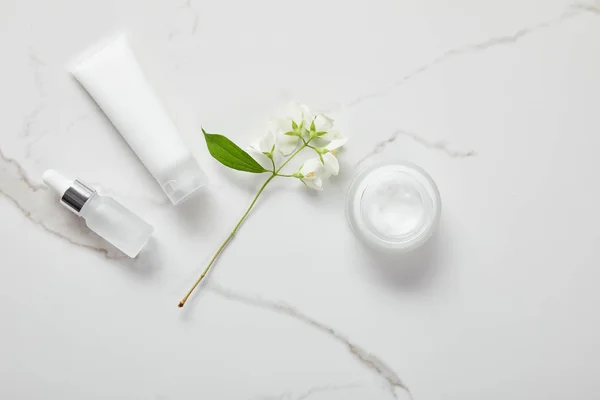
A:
{"points": [[393, 207]]}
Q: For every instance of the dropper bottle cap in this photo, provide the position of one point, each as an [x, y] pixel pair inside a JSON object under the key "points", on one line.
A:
{"points": [[74, 193]]}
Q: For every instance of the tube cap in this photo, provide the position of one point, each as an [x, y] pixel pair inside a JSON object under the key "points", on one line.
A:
{"points": [[183, 179]]}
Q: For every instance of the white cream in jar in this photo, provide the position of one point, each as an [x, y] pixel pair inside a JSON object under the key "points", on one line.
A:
{"points": [[393, 206]]}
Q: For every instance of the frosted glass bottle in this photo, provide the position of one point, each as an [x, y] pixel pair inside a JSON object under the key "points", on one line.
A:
{"points": [[119, 226], [103, 214]]}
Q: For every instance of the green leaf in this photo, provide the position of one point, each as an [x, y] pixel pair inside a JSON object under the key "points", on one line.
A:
{"points": [[294, 125], [291, 133], [229, 154], [319, 134], [313, 128]]}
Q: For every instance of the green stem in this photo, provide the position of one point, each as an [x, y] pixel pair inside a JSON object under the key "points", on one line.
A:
{"points": [[226, 242]]}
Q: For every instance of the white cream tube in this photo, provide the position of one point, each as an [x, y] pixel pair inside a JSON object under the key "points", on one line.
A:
{"points": [[113, 77]]}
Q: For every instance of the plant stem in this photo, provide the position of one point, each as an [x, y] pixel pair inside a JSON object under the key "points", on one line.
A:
{"points": [[294, 154], [224, 244]]}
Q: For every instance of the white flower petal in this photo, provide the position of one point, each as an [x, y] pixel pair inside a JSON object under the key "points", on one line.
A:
{"points": [[310, 166], [279, 125], [287, 144], [260, 157], [305, 115], [299, 112], [331, 164], [255, 147], [267, 142], [331, 135], [294, 111], [302, 114], [277, 158], [336, 144], [323, 123], [314, 183]]}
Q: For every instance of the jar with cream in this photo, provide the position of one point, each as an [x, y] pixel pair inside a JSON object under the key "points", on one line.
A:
{"points": [[393, 207]]}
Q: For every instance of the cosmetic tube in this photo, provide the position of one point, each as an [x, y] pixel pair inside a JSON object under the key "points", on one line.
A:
{"points": [[113, 77]]}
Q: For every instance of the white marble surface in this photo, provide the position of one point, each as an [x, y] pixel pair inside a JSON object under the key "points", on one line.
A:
{"points": [[498, 100]]}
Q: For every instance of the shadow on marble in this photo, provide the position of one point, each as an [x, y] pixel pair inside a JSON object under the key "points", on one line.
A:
{"points": [[407, 271], [242, 180], [146, 264], [196, 215]]}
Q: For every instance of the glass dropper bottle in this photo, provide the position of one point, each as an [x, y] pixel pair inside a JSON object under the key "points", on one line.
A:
{"points": [[102, 214]]}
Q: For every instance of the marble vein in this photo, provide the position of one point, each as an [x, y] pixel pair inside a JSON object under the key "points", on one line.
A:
{"points": [[36, 65], [75, 122], [364, 357], [310, 392], [572, 11], [589, 7], [30, 119], [35, 202], [195, 21], [328, 388], [54, 233], [20, 171], [434, 145]]}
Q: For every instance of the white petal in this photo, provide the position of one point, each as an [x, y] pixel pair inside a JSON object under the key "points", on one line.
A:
{"points": [[331, 164], [332, 135], [324, 140], [272, 138], [336, 144], [279, 125], [293, 110], [260, 157], [277, 158], [287, 144], [267, 142], [314, 183], [305, 115], [323, 123], [298, 112], [255, 147], [310, 166]]}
